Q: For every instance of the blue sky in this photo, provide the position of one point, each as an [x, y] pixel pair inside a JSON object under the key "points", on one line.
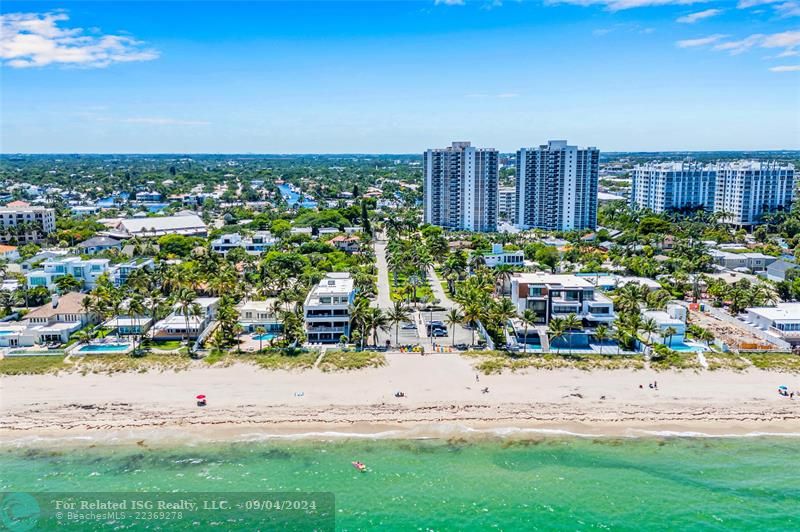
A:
{"points": [[398, 77]]}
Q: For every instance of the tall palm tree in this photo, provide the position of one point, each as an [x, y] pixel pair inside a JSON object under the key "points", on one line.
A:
{"points": [[528, 318], [376, 320], [572, 323], [620, 336], [260, 331], [472, 312], [398, 314], [453, 318], [669, 332], [185, 299], [556, 330], [601, 332], [649, 327]]}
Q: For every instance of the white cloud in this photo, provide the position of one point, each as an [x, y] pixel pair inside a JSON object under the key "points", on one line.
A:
{"points": [[449, 2], [161, 121], [741, 46], [508, 95], [788, 53], [783, 8], [786, 68], [788, 40], [36, 39], [620, 5], [700, 15], [702, 41]]}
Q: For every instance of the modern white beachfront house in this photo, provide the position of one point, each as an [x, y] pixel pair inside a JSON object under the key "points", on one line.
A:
{"points": [[550, 296], [781, 321], [256, 244], [674, 319], [174, 326], [327, 308]]}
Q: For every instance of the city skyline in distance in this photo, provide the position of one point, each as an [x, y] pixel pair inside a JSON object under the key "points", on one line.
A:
{"points": [[397, 78]]}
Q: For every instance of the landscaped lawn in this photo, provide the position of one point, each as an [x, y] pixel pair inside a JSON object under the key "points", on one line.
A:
{"points": [[166, 345], [423, 291]]}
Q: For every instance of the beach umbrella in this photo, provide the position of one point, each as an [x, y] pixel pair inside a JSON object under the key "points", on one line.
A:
{"points": [[783, 387], [201, 396]]}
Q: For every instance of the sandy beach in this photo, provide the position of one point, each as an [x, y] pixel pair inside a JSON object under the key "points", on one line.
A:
{"points": [[442, 399]]}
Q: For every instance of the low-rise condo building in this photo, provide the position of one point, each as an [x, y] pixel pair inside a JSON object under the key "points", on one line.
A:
{"points": [[499, 256], [85, 271], [24, 224], [327, 308], [755, 262], [256, 244]]}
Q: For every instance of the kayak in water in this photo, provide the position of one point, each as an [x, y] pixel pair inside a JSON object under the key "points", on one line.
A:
{"points": [[360, 466]]}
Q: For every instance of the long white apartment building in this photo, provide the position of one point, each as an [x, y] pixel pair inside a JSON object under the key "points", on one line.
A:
{"points": [[556, 187], [741, 190], [669, 186], [327, 308], [746, 190], [460, 190], [26, 224]]}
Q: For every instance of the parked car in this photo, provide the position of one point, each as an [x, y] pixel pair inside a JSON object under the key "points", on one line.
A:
{"points": [[438, 333], [408, 326]]}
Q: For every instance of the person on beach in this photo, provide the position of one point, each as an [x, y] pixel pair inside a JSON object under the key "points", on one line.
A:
{"points": [[477, 378]]}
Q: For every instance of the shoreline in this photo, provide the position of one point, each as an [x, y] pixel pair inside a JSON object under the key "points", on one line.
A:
{"points": [[191, 437], [443, 400]]}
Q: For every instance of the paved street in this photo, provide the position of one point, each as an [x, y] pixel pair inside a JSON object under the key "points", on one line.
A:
{"points": [[384, 301]]}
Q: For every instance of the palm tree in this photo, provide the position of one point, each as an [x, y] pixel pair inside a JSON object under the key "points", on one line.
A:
{"points": [[260, 331], [185, 299], [556, 330], [454, 317], [649, 326], [502, 276], [472, 313], [572, 323], [601, 332], [669, 332], [528, 318], [375, 320], [414, 282], [397, 314], [620, 336], [136, 309]]}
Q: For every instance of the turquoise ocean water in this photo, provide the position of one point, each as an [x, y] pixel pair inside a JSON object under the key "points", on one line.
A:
{"points": [[553, 483]]}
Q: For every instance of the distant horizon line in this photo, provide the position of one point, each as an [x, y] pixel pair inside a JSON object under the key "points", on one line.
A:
{"points": [[398, 154]]}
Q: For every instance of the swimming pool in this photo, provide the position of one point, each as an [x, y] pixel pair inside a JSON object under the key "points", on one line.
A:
{"points": [[4, 333], [686, 347], [104, 348], [264, 337]]}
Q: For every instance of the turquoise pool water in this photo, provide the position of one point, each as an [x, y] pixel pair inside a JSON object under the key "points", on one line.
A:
{"points": [[264, 337], [684, 347], [104, 348], [5, 333]]}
